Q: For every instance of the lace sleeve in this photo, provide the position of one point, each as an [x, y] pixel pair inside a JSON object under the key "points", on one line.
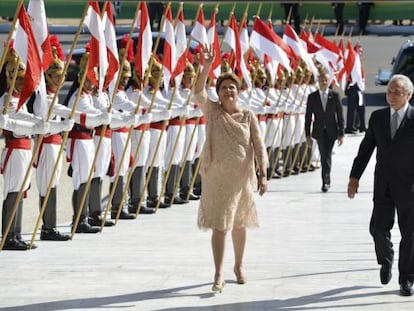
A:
{"points": [[258, 145], [205, 104]]}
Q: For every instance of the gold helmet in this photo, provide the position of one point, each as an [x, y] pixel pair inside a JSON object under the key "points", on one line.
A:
{"points": [[56, 66], [13, 64], [83, 65], [155, 75], [260, 75], [189, 71], [126, 71]]}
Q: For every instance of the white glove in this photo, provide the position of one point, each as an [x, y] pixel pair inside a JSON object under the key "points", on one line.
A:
{"points": [[93, 120], [4, 122], [41, 128], [61, 126], [106, 117], [195, 112], [144, 118], [131, 120], [161, 115], [180, 112]]}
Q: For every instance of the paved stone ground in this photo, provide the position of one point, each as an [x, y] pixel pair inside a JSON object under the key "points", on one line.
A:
{"points": [[312, 252]]}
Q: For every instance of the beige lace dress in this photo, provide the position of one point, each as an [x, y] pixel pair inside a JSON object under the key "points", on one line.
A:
{"points": [[233, 142]]}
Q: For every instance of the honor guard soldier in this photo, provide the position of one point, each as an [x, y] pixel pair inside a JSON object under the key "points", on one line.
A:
{"points": [[191, 129], [123, 104], [17, 154], [80, 149]]}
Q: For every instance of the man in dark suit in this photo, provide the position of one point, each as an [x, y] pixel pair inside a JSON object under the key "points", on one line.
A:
{"points": [[328, 124], [355, 102], [391, 131]]}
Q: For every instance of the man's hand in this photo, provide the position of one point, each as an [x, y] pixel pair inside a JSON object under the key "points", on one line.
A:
{"points": [[309, 141], [353, 185], [340, 140]]}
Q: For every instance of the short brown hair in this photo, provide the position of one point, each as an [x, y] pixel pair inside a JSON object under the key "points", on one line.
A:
{"points": [[228, 76]]}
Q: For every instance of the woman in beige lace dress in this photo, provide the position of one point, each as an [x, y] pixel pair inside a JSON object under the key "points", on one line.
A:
{"points": [[233, 143]]}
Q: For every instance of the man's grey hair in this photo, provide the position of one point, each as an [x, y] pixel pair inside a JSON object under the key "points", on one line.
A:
{"points": [[407, 84]]}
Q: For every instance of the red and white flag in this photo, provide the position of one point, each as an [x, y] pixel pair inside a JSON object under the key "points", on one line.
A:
{"points": [[199, 32], [111, 48], [26, 48], [233, 40], [213, 40], [293, 40], [180, 47], [37, 13], [353, 67], [169, 58], [98, 59], [266, 41], [144, 46], [342, 76]]}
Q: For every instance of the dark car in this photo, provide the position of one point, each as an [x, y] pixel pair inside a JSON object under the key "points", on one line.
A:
{"points": [[403, 63], [73, 68]]}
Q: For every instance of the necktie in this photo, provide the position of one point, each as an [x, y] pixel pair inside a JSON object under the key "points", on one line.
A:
{"points": [[324, 100], [394, 124]]}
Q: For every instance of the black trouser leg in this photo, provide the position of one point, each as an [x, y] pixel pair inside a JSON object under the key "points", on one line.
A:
{"points": [[405, 211], [8, 205], [382, 221], [153, 190], [136, 188], [117, 198], [49, 216], [172, 181], [325, 145], [76, 201], [186, 179]]}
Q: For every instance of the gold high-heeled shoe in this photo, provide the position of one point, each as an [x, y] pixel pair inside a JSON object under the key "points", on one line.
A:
{"points": [[218, 287], [239, 276]]}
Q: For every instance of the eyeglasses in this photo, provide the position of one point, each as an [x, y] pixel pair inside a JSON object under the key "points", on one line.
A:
{"points": [[396, 93]]}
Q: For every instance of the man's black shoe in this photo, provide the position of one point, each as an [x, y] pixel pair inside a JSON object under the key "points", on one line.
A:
{"points": [[406, 289], [177, 200], [13, 244], [153, 203], [123, 215], [324, 188], [97, 221], [53, 235], [87, 228], [146, 210], [385, 274], [192, 197], [197, 191], [350, 131]]}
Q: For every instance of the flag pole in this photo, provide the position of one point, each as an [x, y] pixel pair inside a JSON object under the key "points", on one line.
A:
{"points": [[19, 196], [9, 37], [175, 145], [99, 144], [197, 167], [40, 137], [112, 192]]}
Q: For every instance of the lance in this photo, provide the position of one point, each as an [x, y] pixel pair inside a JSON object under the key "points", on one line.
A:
{"points": [[279, 115], [100, 140], [25, 179], [19, 196], [112, 192], [197, 167], [296, 154], [289, 150], [40, 137], [9, 37], [156, 150], [284, 126]]}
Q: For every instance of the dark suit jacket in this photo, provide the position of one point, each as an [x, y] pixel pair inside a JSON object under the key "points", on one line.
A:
{"points": [[394, 170], [331, 119]]}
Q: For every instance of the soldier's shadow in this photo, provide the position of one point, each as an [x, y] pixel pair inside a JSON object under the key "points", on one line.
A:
{"points": [[339, 296]]}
